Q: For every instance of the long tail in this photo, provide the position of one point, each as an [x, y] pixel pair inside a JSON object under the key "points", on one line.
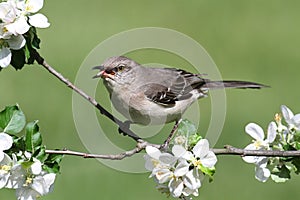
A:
{"points": [[232, 84]]}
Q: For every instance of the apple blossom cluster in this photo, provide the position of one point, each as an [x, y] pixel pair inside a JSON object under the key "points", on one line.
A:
{"points": [[17, 18], [23, 173], [180, 172], [24, 166], [282, 134]]}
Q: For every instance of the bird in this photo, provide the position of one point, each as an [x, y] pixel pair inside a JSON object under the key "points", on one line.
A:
{"points": [[154, 96]]}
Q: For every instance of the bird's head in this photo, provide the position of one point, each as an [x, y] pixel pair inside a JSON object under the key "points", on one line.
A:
{"points": [[117, 71]]}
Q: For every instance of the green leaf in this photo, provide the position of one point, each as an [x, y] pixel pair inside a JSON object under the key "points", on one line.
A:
{"points": [[55, 158], [186, 128], [193, 139], [280, 174], [296, 163], [26, 164], [18, 58], [18, 144], [210, 171], [33, 138], [52, 168], [36, 41], [27, 52], [32, 43], [41, 154], [52, 164], [12, 119]]}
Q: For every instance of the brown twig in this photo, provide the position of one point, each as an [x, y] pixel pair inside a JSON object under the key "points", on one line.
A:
{"points": [[123, 128], [173, 131], [228, 150], [139, 147]]}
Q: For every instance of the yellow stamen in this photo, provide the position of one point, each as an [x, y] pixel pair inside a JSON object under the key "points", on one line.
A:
{"points": [[278, 118], [5, 167], [28, 181], [196, 162], [257, 144], [154, 162]]}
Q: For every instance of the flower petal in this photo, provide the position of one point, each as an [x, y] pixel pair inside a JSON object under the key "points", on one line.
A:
{"points": [[296, 121], [17, 177], [26, 193], [250, 159], [178, 151], [20, 26], [251, 147], [149, 165], [162, 175], [188, 155], [16, 42], [176, 187], [201, 148], [191, 180], [286, 113], [181, 169], [187, 192], [272, 131], [39, 185], [209, 160], [39, 21], [6, 141], [262, 174], [1, 155], [33, 6], [153, 152], [49, 180], [36, 167], [255, 131], [5, 57], [167, 158]]}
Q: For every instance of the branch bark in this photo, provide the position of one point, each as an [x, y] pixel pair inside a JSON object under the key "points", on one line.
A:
{"points": [[141, 145], [230, 150]]}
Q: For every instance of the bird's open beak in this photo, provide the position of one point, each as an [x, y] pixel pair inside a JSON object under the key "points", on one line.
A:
{"points": [[102, 73]]}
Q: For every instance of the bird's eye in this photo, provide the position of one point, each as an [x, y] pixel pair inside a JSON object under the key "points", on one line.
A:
{"points": [[120, 68]]}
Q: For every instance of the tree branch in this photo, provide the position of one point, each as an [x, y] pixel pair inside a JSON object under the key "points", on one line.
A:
{"points": [[123, 128], [141, 145], [172, 133], [230, 150]]}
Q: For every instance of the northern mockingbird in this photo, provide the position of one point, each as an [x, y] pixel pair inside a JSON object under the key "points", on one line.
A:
{"points": [[147, 95]]}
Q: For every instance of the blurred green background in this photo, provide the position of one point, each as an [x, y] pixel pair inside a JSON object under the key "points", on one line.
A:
{"points": [[248, 40]]}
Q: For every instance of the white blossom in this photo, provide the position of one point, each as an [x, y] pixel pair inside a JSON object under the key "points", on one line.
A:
{"points": [[6, 142], [257, 133], [201, 155], [39, 20], [181, 169], [262, 173], [292, 120], [16, 18], [30, 182], [35, 187], [5, 167]]}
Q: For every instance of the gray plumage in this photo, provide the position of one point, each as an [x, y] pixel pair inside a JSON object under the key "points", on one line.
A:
{"points": [[136, 90]]}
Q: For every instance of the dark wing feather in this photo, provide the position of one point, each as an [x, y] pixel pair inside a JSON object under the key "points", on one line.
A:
{"points": [[177, 88]]}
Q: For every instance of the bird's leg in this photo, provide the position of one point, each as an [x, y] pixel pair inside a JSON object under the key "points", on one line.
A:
{"points": [[124, 127], [167, 141]]}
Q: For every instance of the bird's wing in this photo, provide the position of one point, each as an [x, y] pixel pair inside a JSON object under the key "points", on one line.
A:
{"points": [[176, 85]]}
